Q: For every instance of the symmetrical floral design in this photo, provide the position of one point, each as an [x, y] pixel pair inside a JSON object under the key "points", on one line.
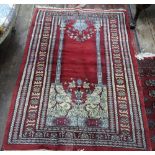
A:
{"points": [[79, 30], [77, 103]]}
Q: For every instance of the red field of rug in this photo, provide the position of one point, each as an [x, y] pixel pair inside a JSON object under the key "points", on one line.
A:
{"points": [[147, 73], [78, 86]]}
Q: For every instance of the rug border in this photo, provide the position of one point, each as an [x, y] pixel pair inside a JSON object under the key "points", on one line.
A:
{"points": [[139, 83], [144, 79], [6, 146], [19, 77]]}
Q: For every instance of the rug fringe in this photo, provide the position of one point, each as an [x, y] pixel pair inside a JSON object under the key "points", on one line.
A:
{"points": [[76, 8], [39, 6]]}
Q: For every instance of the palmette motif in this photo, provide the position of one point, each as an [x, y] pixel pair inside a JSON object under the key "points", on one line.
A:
{"points": [[80, 30]]}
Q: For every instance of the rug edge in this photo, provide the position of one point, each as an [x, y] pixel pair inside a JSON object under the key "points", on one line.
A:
{"points": [[5, 146], [19, 76], [139, 84]]}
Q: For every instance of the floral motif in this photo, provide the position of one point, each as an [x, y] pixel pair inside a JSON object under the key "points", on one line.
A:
{"points": [[149, 110], [150, 82], [95, 104], [80, 25], [77, 103], [151, 124], [60, 101], [152, 93], [79, 30]]}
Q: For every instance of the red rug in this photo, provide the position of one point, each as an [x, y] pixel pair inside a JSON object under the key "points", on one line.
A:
{"points": [[78, 86], [147, 73]]}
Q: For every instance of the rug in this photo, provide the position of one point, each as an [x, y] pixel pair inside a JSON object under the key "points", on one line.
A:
{"points": [[147, 73], [78, 86]]}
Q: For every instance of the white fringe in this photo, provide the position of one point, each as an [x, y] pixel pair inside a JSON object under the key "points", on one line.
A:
{"points": [[141, 56], [45, 7], [78, 8]]}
